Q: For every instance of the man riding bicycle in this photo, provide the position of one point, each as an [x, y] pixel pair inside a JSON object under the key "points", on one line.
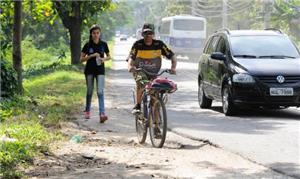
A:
{"points": [[147, 54]]}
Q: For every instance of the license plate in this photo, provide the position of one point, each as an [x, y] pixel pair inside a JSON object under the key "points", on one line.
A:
{"points": [[281, 91]]}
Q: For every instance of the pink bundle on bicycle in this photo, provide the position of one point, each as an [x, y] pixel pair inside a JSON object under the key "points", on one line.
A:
{"points": [[162, 84]]}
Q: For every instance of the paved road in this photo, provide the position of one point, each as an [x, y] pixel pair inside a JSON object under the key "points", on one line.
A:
{"points": [[271, 138]]}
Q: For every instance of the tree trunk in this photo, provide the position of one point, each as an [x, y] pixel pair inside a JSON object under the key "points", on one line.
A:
{"points": [[75, 42], [72, 20], [17, 34]]}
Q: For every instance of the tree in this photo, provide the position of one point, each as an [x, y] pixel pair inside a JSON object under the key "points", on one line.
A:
{"points": [[73, 14], [6, 19], [117, 17], [17, 37], [288, 14]]}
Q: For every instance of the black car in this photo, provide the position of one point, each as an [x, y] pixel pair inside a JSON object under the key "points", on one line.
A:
{"points": [[259, 68], [123, 37]]}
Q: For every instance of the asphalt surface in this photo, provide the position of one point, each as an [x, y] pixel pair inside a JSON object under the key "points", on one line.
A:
{"points": [[267, 137]]}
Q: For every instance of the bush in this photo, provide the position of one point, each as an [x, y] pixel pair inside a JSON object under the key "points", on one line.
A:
{"points": [[8, 80], [29, 138]]}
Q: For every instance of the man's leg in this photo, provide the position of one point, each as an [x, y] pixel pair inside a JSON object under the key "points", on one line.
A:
{"points": [[139, 93], [138, 96], [139, 77]]}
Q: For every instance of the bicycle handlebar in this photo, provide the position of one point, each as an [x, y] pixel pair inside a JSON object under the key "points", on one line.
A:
{"points": [[155, 74]]}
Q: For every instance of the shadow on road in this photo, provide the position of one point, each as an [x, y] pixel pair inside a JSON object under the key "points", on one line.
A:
{"points": [[267, 113], [290, 168], [249, 121]]}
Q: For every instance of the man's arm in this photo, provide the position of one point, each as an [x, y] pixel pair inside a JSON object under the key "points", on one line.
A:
{"points": [[131, 67], [170, 55], [131, 58], [174, 64]]}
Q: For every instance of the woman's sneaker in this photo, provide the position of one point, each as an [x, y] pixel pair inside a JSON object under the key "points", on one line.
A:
{"points": [[103, 118], [87, 114]]}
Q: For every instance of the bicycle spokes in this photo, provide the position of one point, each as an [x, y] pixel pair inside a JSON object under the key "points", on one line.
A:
{"points": [[158, 124]]}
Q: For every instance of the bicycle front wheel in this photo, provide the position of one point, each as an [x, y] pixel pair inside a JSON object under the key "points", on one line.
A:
{"points": [[141, 121], [158, 123]]}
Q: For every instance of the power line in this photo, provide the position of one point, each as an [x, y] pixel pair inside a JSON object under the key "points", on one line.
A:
{"points": [[220, 15], [207, 11]]}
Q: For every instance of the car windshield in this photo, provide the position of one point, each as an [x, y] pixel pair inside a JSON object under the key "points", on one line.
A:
{"points": [[263, 47], [189, 25]]}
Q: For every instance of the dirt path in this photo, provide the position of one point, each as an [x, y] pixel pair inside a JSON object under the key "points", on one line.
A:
{"points": [[111, 150]]}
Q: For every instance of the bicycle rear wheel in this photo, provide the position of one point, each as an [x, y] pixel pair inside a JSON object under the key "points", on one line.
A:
{"points": [[141, 121], [158, 123]]}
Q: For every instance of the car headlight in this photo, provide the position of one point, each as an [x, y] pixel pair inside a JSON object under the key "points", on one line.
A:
{"points": [[242, 78]]}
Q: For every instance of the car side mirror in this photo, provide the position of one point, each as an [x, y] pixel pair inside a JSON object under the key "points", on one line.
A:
{"points": [[218, 56]]}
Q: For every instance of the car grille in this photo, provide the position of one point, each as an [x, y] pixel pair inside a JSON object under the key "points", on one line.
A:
{"points": [[272, 79], [282, 99]]}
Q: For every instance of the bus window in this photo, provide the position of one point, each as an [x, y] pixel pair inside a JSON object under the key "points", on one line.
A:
{"points": [[189, 25], [165, 27]]}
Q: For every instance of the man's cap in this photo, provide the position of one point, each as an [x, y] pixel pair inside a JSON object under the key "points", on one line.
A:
{"points": [[148, 28]]}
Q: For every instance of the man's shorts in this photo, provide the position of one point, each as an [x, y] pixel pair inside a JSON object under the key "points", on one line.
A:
{"points": [[141, 79]]}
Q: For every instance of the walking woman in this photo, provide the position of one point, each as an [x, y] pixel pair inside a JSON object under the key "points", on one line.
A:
{"points": [[95, 53]]}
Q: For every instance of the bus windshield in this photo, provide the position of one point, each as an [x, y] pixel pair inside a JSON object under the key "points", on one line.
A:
{"points": [[189, 25]]}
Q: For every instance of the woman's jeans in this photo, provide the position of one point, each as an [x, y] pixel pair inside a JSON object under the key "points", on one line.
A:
{"points": [[100, 91]]}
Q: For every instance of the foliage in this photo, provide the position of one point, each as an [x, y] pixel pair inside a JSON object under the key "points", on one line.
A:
{"points": [[48, 100], [88, 9], [115, 17], [41, 23], [8, 79], [38, 18], [73, 14], [6, 19], [153, 11], [30, 137], [287, 17]]}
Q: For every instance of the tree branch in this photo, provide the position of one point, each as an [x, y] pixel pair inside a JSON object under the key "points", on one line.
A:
{"points": [[63, 13]]}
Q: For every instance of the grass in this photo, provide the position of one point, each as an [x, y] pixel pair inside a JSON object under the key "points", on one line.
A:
{"points": [[59, 94], [31, 121], [48, 100], [108, 65], [31, 138]]}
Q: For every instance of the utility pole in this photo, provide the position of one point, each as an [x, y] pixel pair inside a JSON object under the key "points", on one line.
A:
{"points": [[193, 4], [224, 14], [267, 12]]}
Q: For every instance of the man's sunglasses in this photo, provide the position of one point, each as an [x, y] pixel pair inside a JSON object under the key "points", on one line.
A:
{"points": [[148, 33]]}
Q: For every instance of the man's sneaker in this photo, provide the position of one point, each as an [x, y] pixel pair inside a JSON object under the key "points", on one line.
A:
{"points": [[157, 133], [87, 114], [103, 118], [136, 109]]}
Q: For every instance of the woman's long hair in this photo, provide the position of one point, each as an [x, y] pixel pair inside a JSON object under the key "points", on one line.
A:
{"points": [[94, 27]]}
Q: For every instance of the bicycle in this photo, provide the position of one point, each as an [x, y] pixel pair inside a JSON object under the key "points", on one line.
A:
{"points": [[153, 113]]}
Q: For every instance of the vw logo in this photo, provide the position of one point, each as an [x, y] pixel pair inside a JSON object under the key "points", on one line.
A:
{"points": [[280, 79]]}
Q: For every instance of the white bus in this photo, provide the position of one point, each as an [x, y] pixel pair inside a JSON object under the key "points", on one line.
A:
{"points": [[138, 34], [185, 34]]}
